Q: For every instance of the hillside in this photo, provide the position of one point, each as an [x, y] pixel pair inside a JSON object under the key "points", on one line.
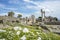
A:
{"points": [[22, 32]]}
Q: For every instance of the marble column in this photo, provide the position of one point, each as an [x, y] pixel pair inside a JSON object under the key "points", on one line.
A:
{"points": [[43, 15]]}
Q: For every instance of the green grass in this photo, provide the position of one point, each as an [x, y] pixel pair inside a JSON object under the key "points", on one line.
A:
{"points": [[33, 34]]}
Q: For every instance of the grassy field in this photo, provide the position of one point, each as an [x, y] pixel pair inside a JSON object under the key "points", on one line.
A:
{"points": [[22, 32]]}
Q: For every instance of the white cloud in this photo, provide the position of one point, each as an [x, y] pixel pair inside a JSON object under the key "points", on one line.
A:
{"points": [[30, 1], [26, 0], [3, 14], [16, 14], [31, 7]]}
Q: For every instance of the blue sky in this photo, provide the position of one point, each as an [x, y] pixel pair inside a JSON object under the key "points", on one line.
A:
{"points": [[30, 7]]}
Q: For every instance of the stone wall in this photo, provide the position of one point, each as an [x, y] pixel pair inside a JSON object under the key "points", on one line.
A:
{"points": [[52, 23]]}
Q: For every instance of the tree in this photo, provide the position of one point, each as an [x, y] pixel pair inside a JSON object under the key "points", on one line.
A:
{"points": [[39, 19], [11, 14], [19, 16], [55, 18]]}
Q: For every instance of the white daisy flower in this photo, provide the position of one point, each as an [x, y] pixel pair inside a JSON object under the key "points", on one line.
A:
{"points": [[2, 39], [23, 37], [25, 30], [38, 33], [39, 38], [10, 31], [17, 28], [18, 32], [2, 30]]}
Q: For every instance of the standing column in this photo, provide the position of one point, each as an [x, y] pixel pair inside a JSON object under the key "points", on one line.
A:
{"points": [[42, 15], [26, 20]]}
